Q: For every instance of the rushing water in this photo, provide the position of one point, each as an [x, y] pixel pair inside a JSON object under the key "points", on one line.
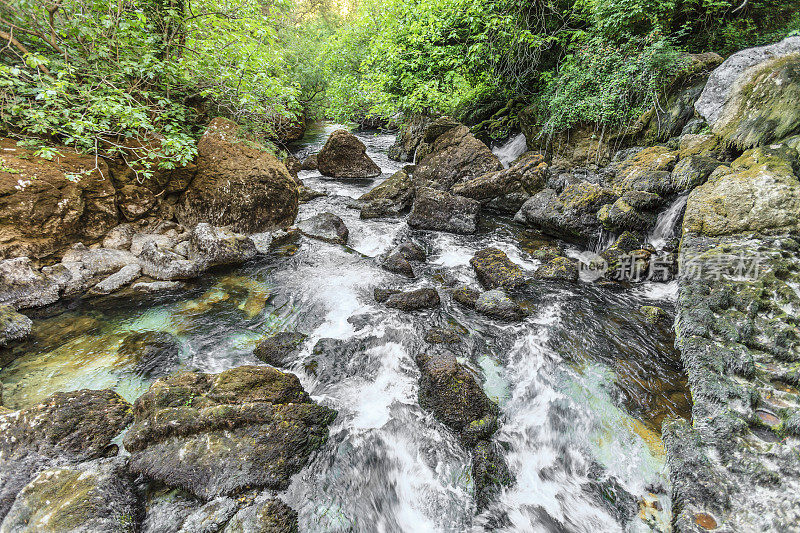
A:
{"points": [[514, 147], [667, 222], [583, 383]]}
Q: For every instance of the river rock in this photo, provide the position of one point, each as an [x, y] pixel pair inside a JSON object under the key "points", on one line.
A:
{"points": [[344, 156], [278, 349], [497, 304], [237, 185], [692, 171], [466, 296], [495, 270], [218, 246], [440, 211], [45, 206], [455, 156], [153, 353], [452, 393], [13, 326], [409, 138], [22, 286], [570, 215], [648, 170], [149, 287], [558, 269], [325, 227], [750, 98], [310, 163], [490, 473], [271, 516], [119, 279], [167, 265], [425, 298], [400, 258], [623, 216], [506, 190], [216, 434], [759, 192], [389, 198], [94, 497]]}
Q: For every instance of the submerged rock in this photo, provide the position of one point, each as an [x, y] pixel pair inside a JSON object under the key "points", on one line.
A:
{"points": [[440, 211], [344, 156], [119, 279], [13, 326], [216, 434], [413, 300], [490, 473], [495, 270], [154, 353], [278, 349], [94, 497], [452, 393], [237, 185], [325, 227]]}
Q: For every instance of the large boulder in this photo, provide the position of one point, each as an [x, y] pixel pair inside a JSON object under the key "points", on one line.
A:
{"points": [[454, 156], [389, 198], [344, 156], [648, 171], [237, 185], [570, 215], [441, 211], [454, 395], [218, 246], [46, 206], [751, 99], [409, 138], [94, 497], [217, 434], [506, 190], [22, 286], [496, 271], [758, 193]]}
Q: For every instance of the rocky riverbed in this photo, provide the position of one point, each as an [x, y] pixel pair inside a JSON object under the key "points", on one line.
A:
{"points": [[443, 340]]}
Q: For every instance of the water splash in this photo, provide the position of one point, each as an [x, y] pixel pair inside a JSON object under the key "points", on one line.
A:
{"points": [[510, 150], [666, 223]]}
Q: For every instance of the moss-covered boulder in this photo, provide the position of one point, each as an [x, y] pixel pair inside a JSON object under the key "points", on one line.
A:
{"points": [[495, 270], [216, 434], [506, 190], [278, 349], [751, 99], [95, 497], [758, 193], [390, 198], [441, 211], [270, 516], [409, 138], [425, 298], [692, 171], [497, 304], [648, 170], [558, 269]]}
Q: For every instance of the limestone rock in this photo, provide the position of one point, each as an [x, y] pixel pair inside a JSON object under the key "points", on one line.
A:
{"points": [[21, 286], [218, 246], [119, 279], [13, 326]]}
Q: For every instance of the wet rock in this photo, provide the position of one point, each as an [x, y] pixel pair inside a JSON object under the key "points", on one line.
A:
{"points": [[237, 185], [506, 190], [94, 497], [400, 258], [294, 166], [495, 270], [156, 286], [13, 326], [307, 194], [44, 208], [438, 127], [216, 434], [647, 171], [413, 300], [21, 286], [381, 295], [154, 353], [167, 265], [750, 99], [759, 192], [655, 315], [622, 216], [217, 246], [455, 156], [278, 349], [497, 304], [344, 156], [119, 279], [119, 237], [692, 171], [490, 473], [390, 198], [409, 138], [440, 211], [210, 517], [452, 393], [325, 227], [310, 162], [99, 261], [446, 335], [570, 215], [466, 296], [558, 269], [272, 516]]}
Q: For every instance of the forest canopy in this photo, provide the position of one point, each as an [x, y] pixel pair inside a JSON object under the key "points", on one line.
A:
{"points": [[141, 77]]}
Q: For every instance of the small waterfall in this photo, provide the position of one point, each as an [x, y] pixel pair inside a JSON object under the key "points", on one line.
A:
{"points": [[510, 150], [604, 240], [666, 222]]}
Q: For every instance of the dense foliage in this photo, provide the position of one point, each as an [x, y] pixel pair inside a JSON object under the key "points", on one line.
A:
{"points": [[140, 77]]}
